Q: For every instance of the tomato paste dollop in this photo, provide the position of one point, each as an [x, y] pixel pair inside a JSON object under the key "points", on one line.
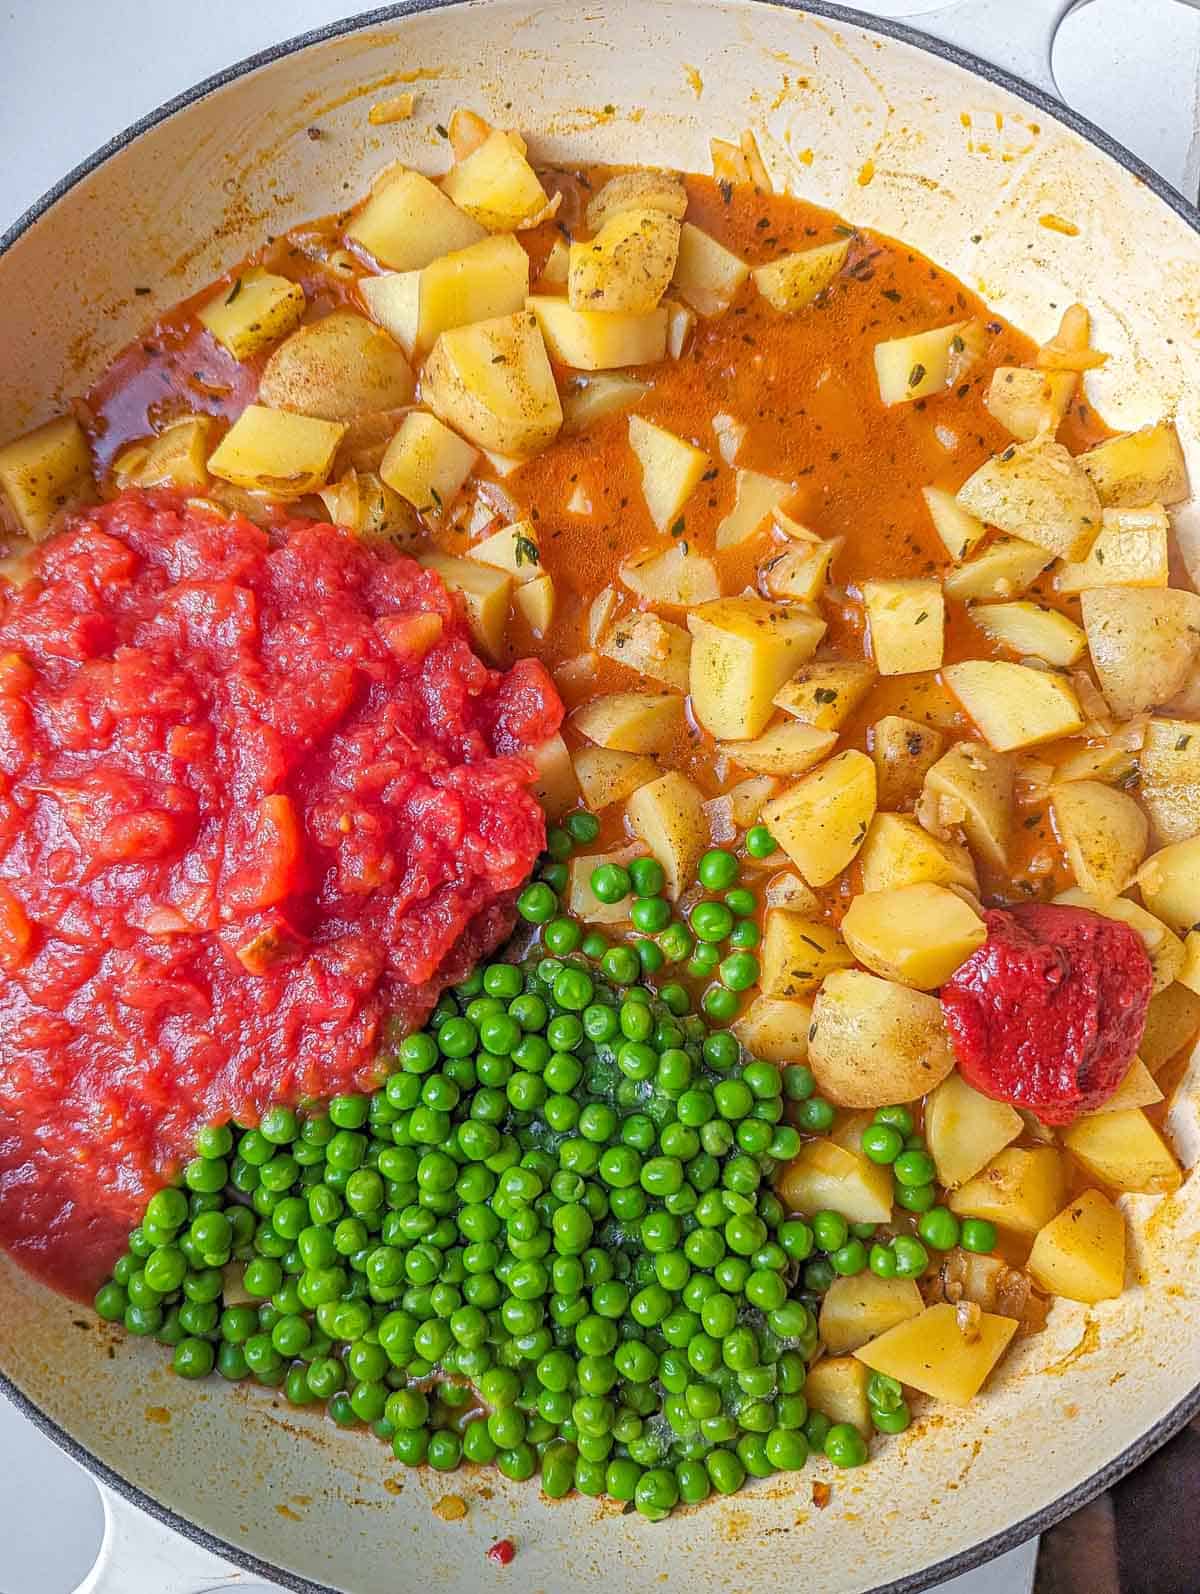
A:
{"points": [[257, 793], [1048, 1013]]}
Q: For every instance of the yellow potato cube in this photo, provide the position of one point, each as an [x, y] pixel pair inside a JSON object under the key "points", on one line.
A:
{"points": [[496, 185], [1104, 832], [653, 647], [1143, 643], [515, 548], [1169, 763], [756, 496], [492, 382], [480, 283], [775, 1029], [45, 472], [409, 222], [1137, 1089], [965, 1129], [1173, 1017], [873, 1043], [1039, 492], [337, 368], [793, 281], [627, 266], [668, 814], [958, 530], [1013, 705], [1124, 1151], [596, 340], [535, 602], [707, 275], [837, 1387], [900, 852], [607, 777], [671, 470], [743, 650], [427, 463], [1005, 568], [1032, 629], [824, 1177], [645, 188], [680, 322], [822, 821], [676, 575], [917, 935], [556, 787], [276, 452], [787, 749], [486, 593], [259, 309], [801, 573], [971, 788], [747, 797], [582, 902], [923, 363], [934, 1353], [904, 751], [1027, 402], [1080, 1254], [857, 1309], [1019, 1190], [1189, 973], [797, 953], [632, 722], [825, 695], [1145, 467], [908, 625], [365, 505], [1131, 551], [1169, 881]]}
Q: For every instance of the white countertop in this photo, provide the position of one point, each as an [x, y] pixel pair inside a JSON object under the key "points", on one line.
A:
{"points": [[1130, 65]]}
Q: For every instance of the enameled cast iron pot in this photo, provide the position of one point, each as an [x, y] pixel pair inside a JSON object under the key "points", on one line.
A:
{"points": [[908, 136]]}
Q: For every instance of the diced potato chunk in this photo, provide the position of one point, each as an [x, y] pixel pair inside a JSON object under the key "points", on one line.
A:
{"points": [[1019, 1190], [259, 309], [337, 368], [668, 814], [923, 363], [558, 265], [486, 280], [917, 935], [747, 797], [582, 901], [496, 185], [1041, 493], [607, 777], [823, 819], [787, 890], [1004, 569], [934, 1353], [515, 548], [873, 1042], [1111, 761], [1170, 778], [1124, 1151], [756, 496], [775, 1029], [1027, 402], [1137, 1089], [1143, 643], [177, 457], [645, 188], [904, 751], [671, 469], [857, 1309], [743, 650], [1031, 629], [653, 647], [486, 593], [1104, 833], [958, 530], [556, 787], [972, 788], [1173, 1017], [899, 852], [837, 1387], [535, 601], [408, 221], [965, 1129], [824, 1177], [1163, 947], [1080, 1254], [797, 953], [825, 695], [787, 749], [908, 625], [1131, 551], [276, 452], [427, 463], [794, 281], [44, 472], [627, 266], [676, 575], [707, 275], [1013, 705], [1145, 467], [681, 319], [1169, 881], [492, 382], [593, 340], [801, 573], [367, 506], [631, 722]]}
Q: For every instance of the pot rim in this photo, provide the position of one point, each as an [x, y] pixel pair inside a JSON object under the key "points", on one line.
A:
{"points": [[893, 28]]}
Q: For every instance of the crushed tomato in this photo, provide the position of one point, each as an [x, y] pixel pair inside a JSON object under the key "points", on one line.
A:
{"points": [[257, 793]]}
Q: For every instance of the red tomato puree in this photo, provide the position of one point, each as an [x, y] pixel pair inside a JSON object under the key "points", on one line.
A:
{"points": [[1048, 1014], [257, 792]]}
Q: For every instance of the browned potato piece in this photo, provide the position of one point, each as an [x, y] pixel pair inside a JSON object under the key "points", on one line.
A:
{"points": [[1124, 1151], [645, 188], [1173, 1017], [1080, 1254], [823, 819], [797, 953], [743, 650], [607, 777], [258, 309], [1039, 492], [1015, 705], [337, 368], [1145, 467], [44, 472], [973, 789], [1143, 643], [936, 1354], [917, 935], [1131, 551], [276, 452], [627, 266], [966, 1129], [825, 694], [837, 1387], [653, 647], [1170, 778], [857, 1309], [793, 281], [1169, 881], [873, 1043], [904, 751], [492, 382], [1006, 567], [787, 749], [668, 814], [1104, 833], [899, 852], [823, 1176], [1019, 1190], [775, 1029], [631, 722]]}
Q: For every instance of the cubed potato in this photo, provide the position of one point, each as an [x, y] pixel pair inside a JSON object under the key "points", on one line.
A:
{"points": [[1112, 762], [1143, 643], [1005, 568], [824, 695], [1041, 493], [971, 788], [924, 363], [965, 1129], [756, 496], [900, 852], [786, 749], [364, 503], [535, 601], [746, 799], [276, 452], [857, 1309], [486, 593], [797, 953], [556, 787], [653, 647], [939, 1355], [492, 382], [775, 1029], [1169, 881], [177, 457], [1163, 946], [627, 266], [1020, 1190], [1173, 1017], [707, 275], [1132, 550], [45, 472], [917, 935], [1080, 1254], [743, 650], [1170, 778], [793, 281], [873, 1042], [908, 625], [645, 188], [837, 1387], [1014, 705], [1104, 833], [1137, 1089], [1140, 468], [408, 222], [681, 321], [593, 340], [671, 470], [582, 902], [1031, 629], [427, 463], [822, 821], [257, 310], [668, 814], [496, 185], [904, 751], [676, 575], [787, 890], [632, 722], [588, 400], [607, 777], [958, 530], [557, 267], [1029, 403], [515, 548], [1124, 1151], [337, 368], [824, 1177], [486, 280], [801, 573]]}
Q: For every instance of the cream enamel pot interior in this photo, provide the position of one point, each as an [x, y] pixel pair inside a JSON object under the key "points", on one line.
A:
{"points": [[911, 140]]}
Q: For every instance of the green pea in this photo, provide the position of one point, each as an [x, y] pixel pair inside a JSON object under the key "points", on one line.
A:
{"points": [[739, 971], [583, 827], [881, 1259], [978, 1235], [760, 843], [717, 869], [816, 1115], [610, 883], [647, 876], [881, 1143], [845, 1446], [899, 1118], [939, 1228], [916, 1197], [621, 964], [711, 921], [911, 1256]]}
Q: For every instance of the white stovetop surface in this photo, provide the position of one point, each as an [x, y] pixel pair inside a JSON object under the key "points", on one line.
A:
{"points": [[1128, 64]]}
